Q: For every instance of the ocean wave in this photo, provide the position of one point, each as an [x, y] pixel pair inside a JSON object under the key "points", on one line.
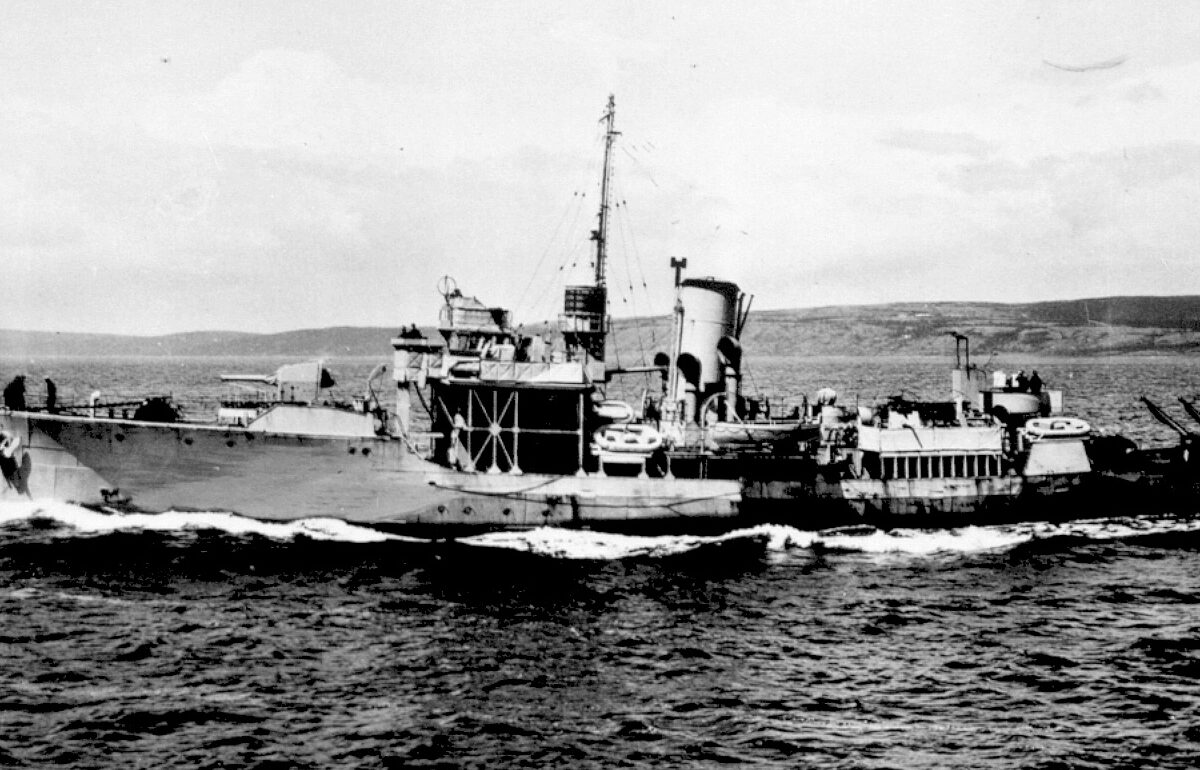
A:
{"points": [[77, 519], [775, 538], [557, 543], [605, 546], [978, 539]]}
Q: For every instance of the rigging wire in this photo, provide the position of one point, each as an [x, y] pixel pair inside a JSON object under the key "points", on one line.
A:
{"points": [[570, 255], [626, 232], [749, 374], [545, 253], [622, 229], [628, 244], [636, 253]]}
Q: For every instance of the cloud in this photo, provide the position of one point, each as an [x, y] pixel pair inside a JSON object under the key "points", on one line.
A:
{"points": [[1125, 168], [939, 142], [331, 174], [284, 101], [1101, 65], [1143, 92]]}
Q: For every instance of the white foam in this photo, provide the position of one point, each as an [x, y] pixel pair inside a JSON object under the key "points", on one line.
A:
{"points": [[581, 544], [924, 542], [1001, 537], [1118, 527], [87, 521]]}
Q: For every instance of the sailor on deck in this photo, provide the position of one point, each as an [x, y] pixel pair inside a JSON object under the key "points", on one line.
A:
{"points": [[14, 394]]}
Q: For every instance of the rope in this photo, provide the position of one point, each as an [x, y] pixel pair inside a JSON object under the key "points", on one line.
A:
{"points": [[625, 236], [570, 257], [408, 442]]}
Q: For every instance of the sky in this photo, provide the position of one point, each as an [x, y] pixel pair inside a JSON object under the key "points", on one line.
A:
{"points": [[268, 166]]}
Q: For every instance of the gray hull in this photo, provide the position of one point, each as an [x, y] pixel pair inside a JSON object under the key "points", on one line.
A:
{"points": [[377, 481], [948, 502]]}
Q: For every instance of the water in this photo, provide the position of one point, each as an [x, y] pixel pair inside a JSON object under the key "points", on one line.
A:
{"points": [[209, 640]]}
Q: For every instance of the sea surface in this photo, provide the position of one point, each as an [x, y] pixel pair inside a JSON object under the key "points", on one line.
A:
{"points": [[210, 640]]}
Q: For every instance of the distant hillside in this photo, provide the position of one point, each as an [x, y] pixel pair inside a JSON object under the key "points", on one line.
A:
{"points": [[1106, 326], [1093, 327], [336, 341]]}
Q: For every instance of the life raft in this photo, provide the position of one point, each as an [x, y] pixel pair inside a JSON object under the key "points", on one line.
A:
{"points": [[641, 439], [1057, 427]]}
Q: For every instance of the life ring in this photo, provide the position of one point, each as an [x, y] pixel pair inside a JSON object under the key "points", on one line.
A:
{"points": [[628, 438], [1057, 427]]}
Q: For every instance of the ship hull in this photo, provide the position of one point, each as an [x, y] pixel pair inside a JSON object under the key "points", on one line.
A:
{"points": [[377, 481], [948, 502], [381, 482]]}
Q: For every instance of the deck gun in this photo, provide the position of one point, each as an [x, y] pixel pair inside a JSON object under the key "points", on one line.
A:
{"points": [[1189, 460], [1190, 408], [1166, 419]]}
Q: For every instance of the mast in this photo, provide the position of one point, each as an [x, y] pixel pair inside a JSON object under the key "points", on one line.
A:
{"points": [[672, 395], [600, 235], [585, 309]]}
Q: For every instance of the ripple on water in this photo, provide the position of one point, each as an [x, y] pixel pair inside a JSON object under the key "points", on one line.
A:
{"points": [[208, 641]]}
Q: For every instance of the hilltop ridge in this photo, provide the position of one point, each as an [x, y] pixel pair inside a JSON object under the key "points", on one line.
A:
{"points": [[1090, 327]]}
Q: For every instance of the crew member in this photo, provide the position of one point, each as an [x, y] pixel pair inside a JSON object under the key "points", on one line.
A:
{"points": [[51, 396], [14, 394], [1035, 384]]}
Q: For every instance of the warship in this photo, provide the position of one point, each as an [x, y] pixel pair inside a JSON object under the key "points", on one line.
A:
{"points": [[497, 427]]}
